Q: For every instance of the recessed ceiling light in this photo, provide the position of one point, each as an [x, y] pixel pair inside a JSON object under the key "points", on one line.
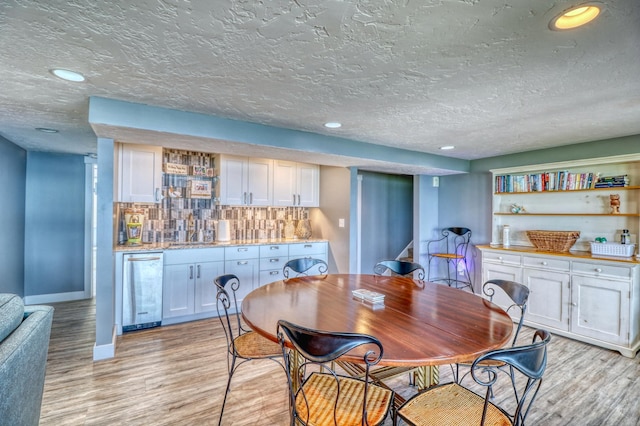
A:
{"points": [[447, 147], [46, 130], [68, 75], [332, 125], [576, 16]]}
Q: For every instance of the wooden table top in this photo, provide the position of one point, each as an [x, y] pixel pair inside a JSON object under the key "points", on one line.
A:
{"points": [[429, 325]]}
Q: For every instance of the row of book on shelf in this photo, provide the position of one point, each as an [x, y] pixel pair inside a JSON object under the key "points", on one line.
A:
{"points": [[557, 181]]}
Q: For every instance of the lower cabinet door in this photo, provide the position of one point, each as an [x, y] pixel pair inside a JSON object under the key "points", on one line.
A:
{"points": [[549, 298], [600, 309], [206, 290], [178, 286], [247, 272]]}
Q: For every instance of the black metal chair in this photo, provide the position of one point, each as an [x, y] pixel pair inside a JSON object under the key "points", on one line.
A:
{"points": [[320, 396], [399, 267], [304, 266], [242, 345], [517, 296], [452, 404], [452, 248]]}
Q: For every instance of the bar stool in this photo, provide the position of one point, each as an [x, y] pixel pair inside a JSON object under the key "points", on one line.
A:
{"points": [[451, 248]]}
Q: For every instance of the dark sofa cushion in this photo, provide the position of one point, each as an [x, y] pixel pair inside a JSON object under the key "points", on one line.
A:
{"points": [[11, 314]]}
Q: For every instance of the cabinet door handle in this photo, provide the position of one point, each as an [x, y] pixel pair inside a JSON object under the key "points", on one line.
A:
{"points": [[574, 304], [244, 198], [598, 270], [298, 199], [198, 271], [294, 199], [499, 257], [158, 195], [308, 246], [242, 262], [191, 272], [243, 249], [274, 260], [544, 263], [274, 272], [251, 198], [274, 248]]}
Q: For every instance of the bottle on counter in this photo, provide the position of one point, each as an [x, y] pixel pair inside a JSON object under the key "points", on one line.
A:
{"points": [[625, 238], [505, 236]]}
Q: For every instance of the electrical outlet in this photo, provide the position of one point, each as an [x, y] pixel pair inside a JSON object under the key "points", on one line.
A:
{"points": [[341, 223], [436, 181]]}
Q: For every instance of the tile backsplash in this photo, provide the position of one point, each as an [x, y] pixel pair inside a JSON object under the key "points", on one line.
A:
{"points": [[169, 221]]}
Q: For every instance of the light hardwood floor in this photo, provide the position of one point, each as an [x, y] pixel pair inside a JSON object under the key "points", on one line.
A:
{"points": [[175, 375]]}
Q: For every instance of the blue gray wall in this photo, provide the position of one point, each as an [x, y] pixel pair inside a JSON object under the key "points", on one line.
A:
{"points": [[54, 224], [13, 170]]}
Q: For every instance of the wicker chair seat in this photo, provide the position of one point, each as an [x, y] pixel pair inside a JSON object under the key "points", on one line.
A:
{"points": [[451, 405], [320, 391], [251, 345], [448, 255]]}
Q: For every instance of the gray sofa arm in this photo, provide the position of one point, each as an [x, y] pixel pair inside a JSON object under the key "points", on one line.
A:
{"points": [[23, 358]]}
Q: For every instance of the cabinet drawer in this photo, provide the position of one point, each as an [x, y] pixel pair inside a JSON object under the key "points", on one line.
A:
{"points": [[307, 249], [502, 258], [546, 263], [241, 252], [267, 277], [273, 262], [602, 269], [272, 250], [195, 255]]}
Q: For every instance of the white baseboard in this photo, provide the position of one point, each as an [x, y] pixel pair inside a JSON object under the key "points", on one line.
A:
{"points": [[101, 352], [40, 299]]}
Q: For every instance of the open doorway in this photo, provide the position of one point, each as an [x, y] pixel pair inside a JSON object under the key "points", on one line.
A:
{"points": [[385, 217]]}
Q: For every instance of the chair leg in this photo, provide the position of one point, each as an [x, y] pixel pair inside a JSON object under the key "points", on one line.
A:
{"points": [[226, 391]]}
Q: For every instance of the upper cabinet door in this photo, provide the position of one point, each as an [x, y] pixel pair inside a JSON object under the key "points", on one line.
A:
{"points": [[140, 174], [259, 182], [308, 177], [284, 183], [233, 180]]}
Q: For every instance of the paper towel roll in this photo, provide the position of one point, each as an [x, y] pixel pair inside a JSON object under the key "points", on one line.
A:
{"points": [[223, 233]]}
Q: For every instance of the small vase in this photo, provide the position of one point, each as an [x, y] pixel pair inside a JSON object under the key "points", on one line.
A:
{"points": [[289, 229], [303, 230]]}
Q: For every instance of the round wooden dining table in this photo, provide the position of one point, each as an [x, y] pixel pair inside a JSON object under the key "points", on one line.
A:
{"points": [[419, 324]]}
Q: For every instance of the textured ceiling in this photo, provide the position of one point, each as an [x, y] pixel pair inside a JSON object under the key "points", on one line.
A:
{"points": [[487, 76]]}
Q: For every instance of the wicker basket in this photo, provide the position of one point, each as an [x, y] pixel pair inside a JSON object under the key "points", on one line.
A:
{"points": [[556, 241]]}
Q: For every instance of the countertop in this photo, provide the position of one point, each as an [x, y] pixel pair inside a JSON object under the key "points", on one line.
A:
{"points": [[182, 246], [572, 254]]}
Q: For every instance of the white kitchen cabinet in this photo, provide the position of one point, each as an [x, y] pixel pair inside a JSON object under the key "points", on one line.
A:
{"points": [[273, 257], [244, 262], [316, 250], [296, 184], [245, 181], [549, 291], [188, 287], [575, 295], [139, 176], [601, 302]]}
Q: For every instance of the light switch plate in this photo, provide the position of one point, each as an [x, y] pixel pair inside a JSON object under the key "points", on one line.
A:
{"points": [[341, 223], [436, 181]]}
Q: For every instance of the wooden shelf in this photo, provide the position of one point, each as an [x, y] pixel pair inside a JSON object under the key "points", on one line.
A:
{"points": [[617, 188], [569, 214]]}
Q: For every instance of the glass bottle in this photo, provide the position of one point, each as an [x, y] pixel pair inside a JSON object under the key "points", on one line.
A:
{"points": [[625, 238]]}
